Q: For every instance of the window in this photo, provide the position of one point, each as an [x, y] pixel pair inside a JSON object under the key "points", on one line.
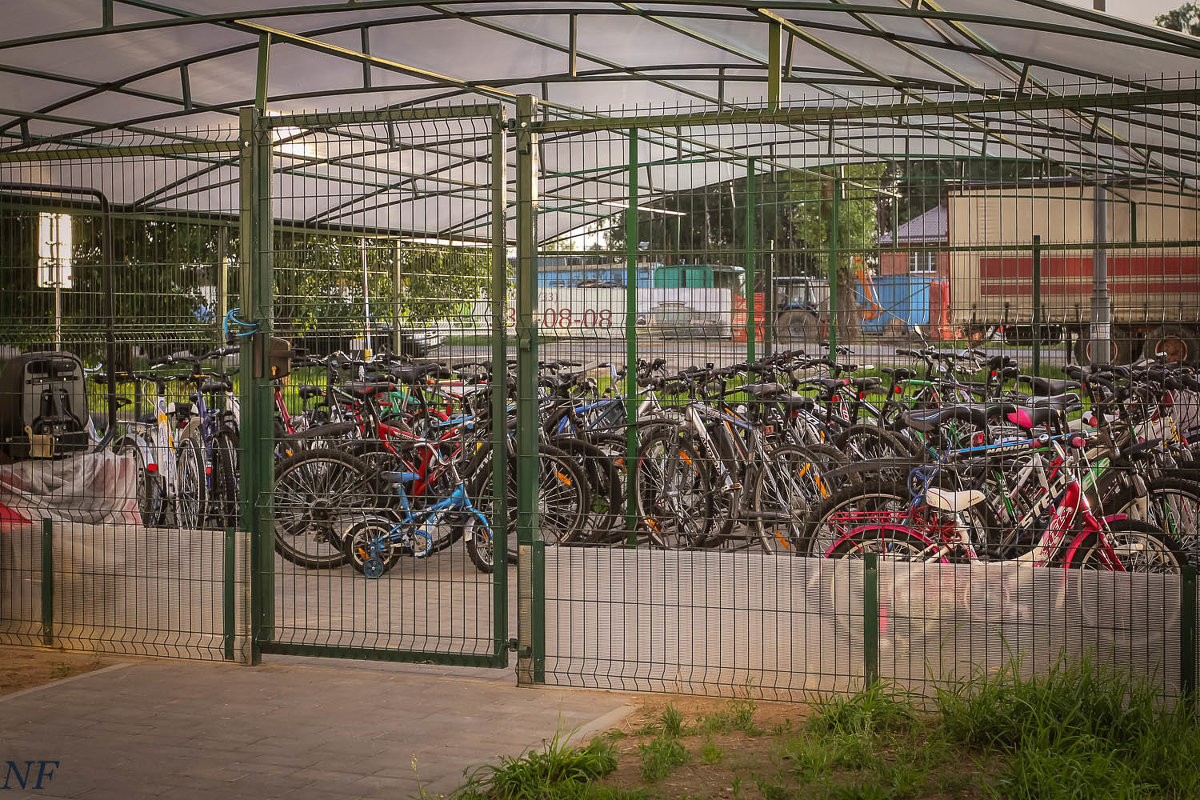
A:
{"points": [[922, 262], [54, 251]]}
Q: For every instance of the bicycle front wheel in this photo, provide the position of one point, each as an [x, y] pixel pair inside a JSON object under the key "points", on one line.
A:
{"points": [[319, 496]]}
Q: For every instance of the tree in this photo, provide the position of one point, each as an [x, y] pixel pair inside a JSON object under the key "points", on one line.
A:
{"points": [[1186, 18]]}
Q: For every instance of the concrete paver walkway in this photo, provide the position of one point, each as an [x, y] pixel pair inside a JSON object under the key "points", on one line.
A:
{"points": [[294, 729]]}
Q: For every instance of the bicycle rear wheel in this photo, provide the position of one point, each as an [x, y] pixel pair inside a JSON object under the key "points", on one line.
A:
{"points": [[674, 495]]}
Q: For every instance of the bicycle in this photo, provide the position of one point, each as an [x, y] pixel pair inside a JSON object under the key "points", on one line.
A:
{"points": [[374, 544]]}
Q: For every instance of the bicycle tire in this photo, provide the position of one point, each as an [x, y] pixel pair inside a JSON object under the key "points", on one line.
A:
{"points": [[605, 490], [824, 528], [224, 496], [191, 490], [790, 483], [674, 495], [148, 492], [1171, 504], [319, 494]]}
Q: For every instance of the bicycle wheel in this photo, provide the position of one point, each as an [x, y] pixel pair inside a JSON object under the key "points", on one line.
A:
{"points": [[319, 495], [675, 501], [1140, 547], [785, 490], [148, 489], [893, 542], [479, 544], [223, 501], [190, 484], [1133, 615], [562, 495], [849, 508], [605, 490], [1172, 505], [360, 535]]}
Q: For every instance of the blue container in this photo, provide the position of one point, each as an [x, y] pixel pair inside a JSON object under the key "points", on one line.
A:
{"points": [[902, 297]]}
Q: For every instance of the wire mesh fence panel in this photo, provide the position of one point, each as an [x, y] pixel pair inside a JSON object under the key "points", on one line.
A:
{"points": [[116, 267], [389, 318], [869, 330]]}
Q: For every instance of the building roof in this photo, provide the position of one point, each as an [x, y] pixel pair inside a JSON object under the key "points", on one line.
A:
{"points": [[932, 227]]}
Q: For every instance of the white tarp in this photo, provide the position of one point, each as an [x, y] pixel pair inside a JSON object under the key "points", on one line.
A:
{"points": [[90, 488]]}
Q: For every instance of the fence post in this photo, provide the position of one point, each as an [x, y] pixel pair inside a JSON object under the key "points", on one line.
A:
{"points": [[871, 619], [229, 593], [751, 202], [499, 291], [527, 373], [47, 582], [631, 348], [257, 300], [1187, 631], [1037, 305]]}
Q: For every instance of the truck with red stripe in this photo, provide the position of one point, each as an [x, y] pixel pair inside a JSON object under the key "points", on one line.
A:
{"points": [[1150, 249]]}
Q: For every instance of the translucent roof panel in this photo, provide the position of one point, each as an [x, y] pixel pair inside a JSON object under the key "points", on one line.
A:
{"points": [[73, 76]]}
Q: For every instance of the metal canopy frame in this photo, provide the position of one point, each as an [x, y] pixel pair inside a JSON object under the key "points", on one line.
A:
{"points": [[983, 93]]}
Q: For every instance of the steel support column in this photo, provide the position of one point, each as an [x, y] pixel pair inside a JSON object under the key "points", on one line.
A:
{"points": [[257, 398], [751, 203], [499, 292], [527, 373]]}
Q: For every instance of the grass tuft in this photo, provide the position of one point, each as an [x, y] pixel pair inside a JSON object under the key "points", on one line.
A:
{"points": [[660, 756], [561, 770]]}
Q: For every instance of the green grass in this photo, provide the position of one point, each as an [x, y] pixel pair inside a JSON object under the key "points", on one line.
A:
{"points": [[1079, 731]]}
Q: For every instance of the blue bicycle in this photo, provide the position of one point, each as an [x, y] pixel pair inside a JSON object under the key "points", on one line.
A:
{"points": [[374, 544]]}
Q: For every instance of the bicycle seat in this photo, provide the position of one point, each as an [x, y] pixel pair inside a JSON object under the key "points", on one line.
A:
{"points": [[795, 402], [150, 418], [1030, 417], [928, 421], [415, 373], [214, 386], [308, 391], [1060, 402], [944, 500], [828, 385], [364, 389], [865, 384], [331, 430], [765, 391], [898, 374], [1048, 386]]}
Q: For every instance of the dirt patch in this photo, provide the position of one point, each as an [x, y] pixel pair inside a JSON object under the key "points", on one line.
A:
{"points": [[732, 745], [26, 667]]}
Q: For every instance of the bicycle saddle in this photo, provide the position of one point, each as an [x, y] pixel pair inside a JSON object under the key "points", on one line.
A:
{"points": [[364, 389], [865, 384], [764, 391], [899, 374], [413, 373], [1048, 386], [1058, 402], [307, 390], [213, 386], [1030, 417], [928, 421], [944, 500]]}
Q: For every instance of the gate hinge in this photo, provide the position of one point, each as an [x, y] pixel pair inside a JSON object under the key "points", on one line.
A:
{"points": [[512, 645]]}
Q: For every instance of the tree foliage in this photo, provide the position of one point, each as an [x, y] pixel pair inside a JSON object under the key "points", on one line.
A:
{"points": [[1186, 19]]}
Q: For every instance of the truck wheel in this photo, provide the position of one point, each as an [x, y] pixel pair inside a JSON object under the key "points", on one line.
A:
{"points": [[1173, 340], [1120, 348]]}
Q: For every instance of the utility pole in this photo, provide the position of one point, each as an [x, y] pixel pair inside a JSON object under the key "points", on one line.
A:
{"points": [[1100, 332]]}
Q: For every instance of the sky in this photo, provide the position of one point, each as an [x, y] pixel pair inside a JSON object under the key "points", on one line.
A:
{"points": [[1137, 10]]}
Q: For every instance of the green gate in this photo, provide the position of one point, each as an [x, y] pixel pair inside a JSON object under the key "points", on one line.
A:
{"points": [[340, 277]]}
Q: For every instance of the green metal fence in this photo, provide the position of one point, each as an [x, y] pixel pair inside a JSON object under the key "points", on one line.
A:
{"points": [[689, 374]]}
